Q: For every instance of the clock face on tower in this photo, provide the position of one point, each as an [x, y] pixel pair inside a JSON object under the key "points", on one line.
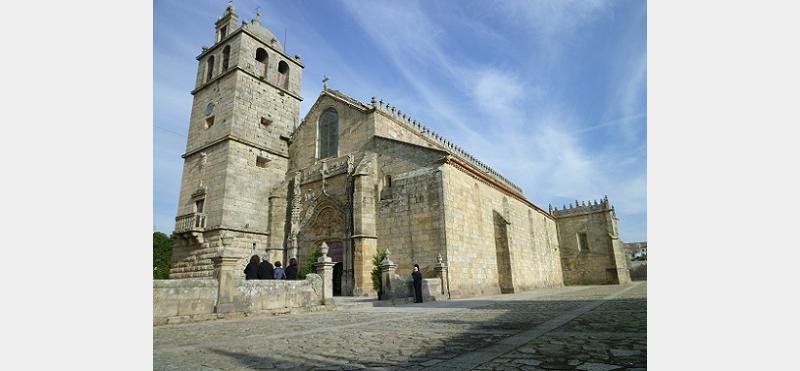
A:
{"points": [[209, 109]]}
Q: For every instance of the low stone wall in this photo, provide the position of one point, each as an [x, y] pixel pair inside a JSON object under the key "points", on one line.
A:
{"points": [[196, 299], [638, 270], [262, 295], [402, 291], [183, 298]]}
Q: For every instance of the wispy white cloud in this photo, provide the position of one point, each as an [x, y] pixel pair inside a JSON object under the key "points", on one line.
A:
{"points": [[551, 19], [631, 97], [498, 91]]}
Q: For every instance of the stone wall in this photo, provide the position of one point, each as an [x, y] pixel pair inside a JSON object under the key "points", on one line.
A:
{"points": [[192, 299], [253, 296], [184, 298], [410, 220], [494, 238], [402, 290], [638, 270]]}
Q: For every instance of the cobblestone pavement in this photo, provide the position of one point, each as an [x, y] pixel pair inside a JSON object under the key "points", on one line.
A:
{"points": [[570, 328]]}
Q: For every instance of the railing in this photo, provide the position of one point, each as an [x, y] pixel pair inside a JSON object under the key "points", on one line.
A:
{"points": [[190, 222]]}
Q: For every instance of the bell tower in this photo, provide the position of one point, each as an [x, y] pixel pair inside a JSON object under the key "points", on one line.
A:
{"points": [[246, 105]]}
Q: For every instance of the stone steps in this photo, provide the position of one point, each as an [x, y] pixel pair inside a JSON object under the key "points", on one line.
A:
{"points": [[351, 302]]}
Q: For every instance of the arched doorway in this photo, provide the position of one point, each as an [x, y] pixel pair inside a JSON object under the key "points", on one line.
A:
{"points": [[327, 225]]}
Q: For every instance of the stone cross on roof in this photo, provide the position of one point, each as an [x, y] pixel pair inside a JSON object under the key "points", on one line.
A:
{"points": [[325, 82]]}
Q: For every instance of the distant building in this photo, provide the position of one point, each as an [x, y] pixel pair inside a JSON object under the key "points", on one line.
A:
{"points": [[636, 250]]}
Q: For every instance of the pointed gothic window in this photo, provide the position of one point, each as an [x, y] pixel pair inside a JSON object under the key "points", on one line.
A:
{"points": [[226, 55], [210, 68], [283, 75], [328, 134], [262, 59]]}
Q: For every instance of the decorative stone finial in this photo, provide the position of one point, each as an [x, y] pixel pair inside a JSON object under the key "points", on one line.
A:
{"points": [[373, 102], [387, 258], [324, 249], [325, 82]]}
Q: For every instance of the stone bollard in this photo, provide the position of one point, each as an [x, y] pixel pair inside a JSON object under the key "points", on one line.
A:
{"points": [[441, 271], [324, 267], [387, 275]]}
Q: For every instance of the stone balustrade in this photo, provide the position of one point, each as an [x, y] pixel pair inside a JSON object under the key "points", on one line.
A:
{"points": [[190, 222]]}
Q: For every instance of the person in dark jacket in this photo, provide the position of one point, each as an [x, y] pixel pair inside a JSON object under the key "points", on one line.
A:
{"points": [[265, 270], [291, 270], [250, 269], [417, 277]]}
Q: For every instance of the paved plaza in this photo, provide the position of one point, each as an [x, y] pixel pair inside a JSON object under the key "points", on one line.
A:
{"points": [[570, 328]]}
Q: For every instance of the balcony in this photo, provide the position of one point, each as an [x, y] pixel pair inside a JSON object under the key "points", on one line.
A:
{"points": [[192, 222]]}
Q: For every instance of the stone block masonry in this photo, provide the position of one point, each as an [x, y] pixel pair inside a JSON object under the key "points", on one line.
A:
{"points": [[197, 299]]}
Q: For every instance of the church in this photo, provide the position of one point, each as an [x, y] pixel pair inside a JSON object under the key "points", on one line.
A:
{"points": [[362, 177]]}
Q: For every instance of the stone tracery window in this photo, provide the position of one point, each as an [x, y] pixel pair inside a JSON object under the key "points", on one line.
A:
{"points": [[328, 134]]}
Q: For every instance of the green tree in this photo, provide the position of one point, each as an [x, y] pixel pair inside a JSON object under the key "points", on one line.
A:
{"points": [[377, 280], [162, 254], [308, 265]]}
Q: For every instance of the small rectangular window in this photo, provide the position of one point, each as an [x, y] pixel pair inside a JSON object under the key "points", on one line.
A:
{"points": [[199, 204], [583, 242], [262, 161], [265, 122], [209, 121], [223, 32]]}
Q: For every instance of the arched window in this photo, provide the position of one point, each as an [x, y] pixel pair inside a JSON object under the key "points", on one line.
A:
{"points": [[210, 68], [283, 75], [226, 55], [262, 59], [328, 133]]}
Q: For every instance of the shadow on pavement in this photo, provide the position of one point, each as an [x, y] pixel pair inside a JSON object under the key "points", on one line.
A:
{"points": [[430, 335]]}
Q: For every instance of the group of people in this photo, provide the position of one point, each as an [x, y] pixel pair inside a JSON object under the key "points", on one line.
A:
{"points": [[264, 270]]}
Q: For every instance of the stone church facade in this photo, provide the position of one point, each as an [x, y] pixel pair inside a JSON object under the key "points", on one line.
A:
{"points": [[363, 178]]}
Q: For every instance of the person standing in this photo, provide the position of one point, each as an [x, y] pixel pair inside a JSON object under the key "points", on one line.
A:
{"points": [[279, 273], [265, 270], [291, 270], [250, 269], [417, 277]]}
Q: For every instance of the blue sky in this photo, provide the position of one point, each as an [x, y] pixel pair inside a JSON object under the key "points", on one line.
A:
{"points": [[552, 94]]}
